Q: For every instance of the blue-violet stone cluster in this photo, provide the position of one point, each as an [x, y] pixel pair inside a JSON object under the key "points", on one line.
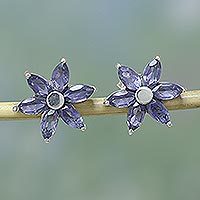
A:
{"points": [[144, 94], [55, 99]]}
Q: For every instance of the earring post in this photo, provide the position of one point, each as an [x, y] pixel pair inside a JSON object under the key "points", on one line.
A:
{"points": [[96, 106]]}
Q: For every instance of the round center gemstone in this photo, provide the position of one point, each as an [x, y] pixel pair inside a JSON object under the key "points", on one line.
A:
{"points": [[55, 100], [144, 95]]}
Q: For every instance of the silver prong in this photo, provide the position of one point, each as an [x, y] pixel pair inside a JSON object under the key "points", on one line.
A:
{"points": [[27, 74], [121, 86], [157, 58], [169, 124], [15, 108], [63, 60], [84, 127], [118, 65], [94, 88], [106, 103], [47, 141], [130, 132]]}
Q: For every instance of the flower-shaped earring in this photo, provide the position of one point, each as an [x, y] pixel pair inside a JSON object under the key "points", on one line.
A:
{"points": [[55, 99], [143, 94]]}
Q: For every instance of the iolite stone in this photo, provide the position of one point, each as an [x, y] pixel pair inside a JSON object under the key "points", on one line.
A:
{"points": [[158, 111], [152, 72], [79, 93], [135, 117], [55, 100], [38, 84], [168, 91], [49, 122], [60, 76], [129, 78], [121, 99], [71, 116], [32, 106]]}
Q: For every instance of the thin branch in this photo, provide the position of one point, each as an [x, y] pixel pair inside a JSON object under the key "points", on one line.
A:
{"points": [[95, 106]]}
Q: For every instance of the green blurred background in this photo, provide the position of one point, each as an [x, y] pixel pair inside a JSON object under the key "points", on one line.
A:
{"points": [[104, 163]]}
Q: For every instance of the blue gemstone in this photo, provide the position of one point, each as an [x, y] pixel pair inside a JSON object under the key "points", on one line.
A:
{"points": [[129, 78], [38, 84], [60, 76], [71, 116], [49, 122], [158, 112], [121, 99], [152, 72], [32, 106], [79, 93], [168, 91], [135, 117]]}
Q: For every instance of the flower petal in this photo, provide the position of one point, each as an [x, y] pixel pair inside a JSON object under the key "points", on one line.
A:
{"points": [[129, 78], [135, 117], [121, 99], [158, 112], [168, 91], [60, 76], [71, 117], [32, 106], [48, 124], [152, 72], [38, 84], [79, 93]]}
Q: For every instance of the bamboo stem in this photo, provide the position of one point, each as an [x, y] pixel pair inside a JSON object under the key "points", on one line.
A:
{"points": [[95, 106]]}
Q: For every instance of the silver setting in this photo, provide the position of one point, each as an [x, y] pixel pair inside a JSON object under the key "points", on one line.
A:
{"points": [[144, 95], [27, 74], [118, 65], [63, 60], [61, 100], [15, 108], [121, 86], [169, 124]]}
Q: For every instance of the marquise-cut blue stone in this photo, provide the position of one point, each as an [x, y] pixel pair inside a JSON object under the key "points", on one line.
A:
{"points": [[158, 112], [78, 93], [71, 116], [135, 117], [168, 91], [38, 84], [49, 122], [32, 106], [60, 76], [129, 78], [152, 72], [121, 99]]}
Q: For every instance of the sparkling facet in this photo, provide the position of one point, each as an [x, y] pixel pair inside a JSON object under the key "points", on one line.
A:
{"points": [[49, 122], [158, 111], [135, 117], [121, 99], [32, 106], [144, 95], [71, 117], [152, 72], [60, 76], [129, 78], [79, 93], [38, 84], [55, 100], [168, 91]]}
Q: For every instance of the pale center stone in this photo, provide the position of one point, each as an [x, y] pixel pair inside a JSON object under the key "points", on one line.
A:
{"points": [[144, 95], [55, 100]]}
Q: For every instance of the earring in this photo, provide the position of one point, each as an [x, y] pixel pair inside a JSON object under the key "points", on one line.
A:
{"points": [[143, 94], [54, 99]]}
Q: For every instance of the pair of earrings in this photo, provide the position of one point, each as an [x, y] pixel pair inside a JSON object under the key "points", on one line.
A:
{"points": [[142, 94]]}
